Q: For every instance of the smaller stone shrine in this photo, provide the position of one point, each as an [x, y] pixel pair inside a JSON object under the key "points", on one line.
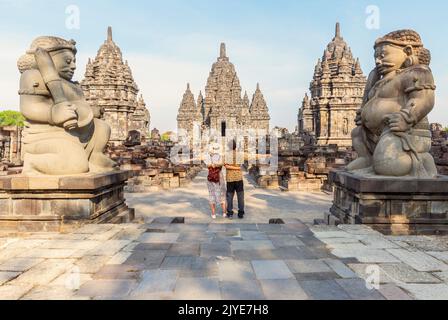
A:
{"points": [[67, 180], [393, 185]]}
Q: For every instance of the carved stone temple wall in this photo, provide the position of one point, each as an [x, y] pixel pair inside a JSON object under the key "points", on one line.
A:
{"points": [[109, 84], [337, 91], [223, 107]]}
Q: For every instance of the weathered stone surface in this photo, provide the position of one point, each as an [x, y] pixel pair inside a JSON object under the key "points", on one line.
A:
{"points": [[427, 291], [118, 272], [197, 289], [419, 260], [156, 282], [45, 272], [324, 290], [357, 289], [272, 270], [6, 276], [14, 292], [406, 274], [283, 290], [235, 271], [241, 290], [20, 264], [252, 245], [159, 238], [307, 266], [108, 289]]}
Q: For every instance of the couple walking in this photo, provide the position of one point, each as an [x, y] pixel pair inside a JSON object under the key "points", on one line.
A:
{"points": [[222, 192]]}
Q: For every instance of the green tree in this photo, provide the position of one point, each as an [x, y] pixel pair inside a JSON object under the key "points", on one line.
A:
{"points": [[11, 118], [166, 137]]}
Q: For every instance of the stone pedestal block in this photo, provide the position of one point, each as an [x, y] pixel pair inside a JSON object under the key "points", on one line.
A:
{"points": [[397, 206], [61, 203]]}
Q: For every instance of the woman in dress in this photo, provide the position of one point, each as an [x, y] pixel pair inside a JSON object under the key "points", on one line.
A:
{"points": [[215, 180]]}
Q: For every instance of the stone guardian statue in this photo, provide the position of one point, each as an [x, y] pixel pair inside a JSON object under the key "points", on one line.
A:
{"points": [[63, 133], [392, 137]]}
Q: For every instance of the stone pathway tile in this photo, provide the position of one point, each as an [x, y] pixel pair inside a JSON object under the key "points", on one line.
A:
{"points": [[357, 289], [249, 255], [324, 290], [6, 276], [108, 248], [183, 249], [120, 257], [220, 249], [45, 272], [197, 289], [316, 276], [70, 244], [271, 270], [178, 263], [280, 241], [252, 245], [366, 255], [91, 264], [235, 271], [418, 260], [49, 293], [107, 289], [149, 259], [253, 235], [440, 255], [241, 290], [340, 268], [71, 279], [283, 290], [392, 292], [427, 291], [307, 266], [14, 292], [158, 238], [404, 273], [201, 268], [364, 271], [94, 229], [156, 282], [48, 253], [121, 272], [20, 264], [442, 276], [378, 242]]}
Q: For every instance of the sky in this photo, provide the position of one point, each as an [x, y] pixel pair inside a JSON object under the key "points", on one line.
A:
{"points": [[172, 42]]}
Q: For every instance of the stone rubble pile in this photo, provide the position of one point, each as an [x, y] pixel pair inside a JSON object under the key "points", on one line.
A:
{"points": [[151, 167], [439, 148]]}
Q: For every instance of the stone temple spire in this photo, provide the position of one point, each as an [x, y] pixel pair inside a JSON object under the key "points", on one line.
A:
{"points": [[338, 31], [259, 109], [109, 34], [223, 53], [109, 83]]}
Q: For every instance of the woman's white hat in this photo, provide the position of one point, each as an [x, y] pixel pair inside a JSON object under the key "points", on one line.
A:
{"points": [[215, 148]]}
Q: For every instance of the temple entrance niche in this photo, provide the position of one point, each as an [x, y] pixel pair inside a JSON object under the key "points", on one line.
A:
{"points": [[223, 128]]}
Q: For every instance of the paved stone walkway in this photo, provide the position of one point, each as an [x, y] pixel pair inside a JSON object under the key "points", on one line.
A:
{"points": [[158, 258]]}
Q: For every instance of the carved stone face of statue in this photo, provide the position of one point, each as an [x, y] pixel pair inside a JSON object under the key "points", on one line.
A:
{"points": [[65, 63], [389, 58]]}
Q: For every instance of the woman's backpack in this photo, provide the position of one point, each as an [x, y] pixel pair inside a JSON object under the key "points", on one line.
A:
{"points": [[214, 175]]}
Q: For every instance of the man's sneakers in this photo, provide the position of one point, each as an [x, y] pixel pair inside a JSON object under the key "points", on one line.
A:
{"points": [[241, 215]]}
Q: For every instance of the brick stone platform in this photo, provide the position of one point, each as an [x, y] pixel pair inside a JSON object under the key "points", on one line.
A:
{"points": [[390, 205], [47, 203]]}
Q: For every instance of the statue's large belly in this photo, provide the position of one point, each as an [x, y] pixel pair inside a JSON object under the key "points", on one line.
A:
{"points": [[375, 110]]}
